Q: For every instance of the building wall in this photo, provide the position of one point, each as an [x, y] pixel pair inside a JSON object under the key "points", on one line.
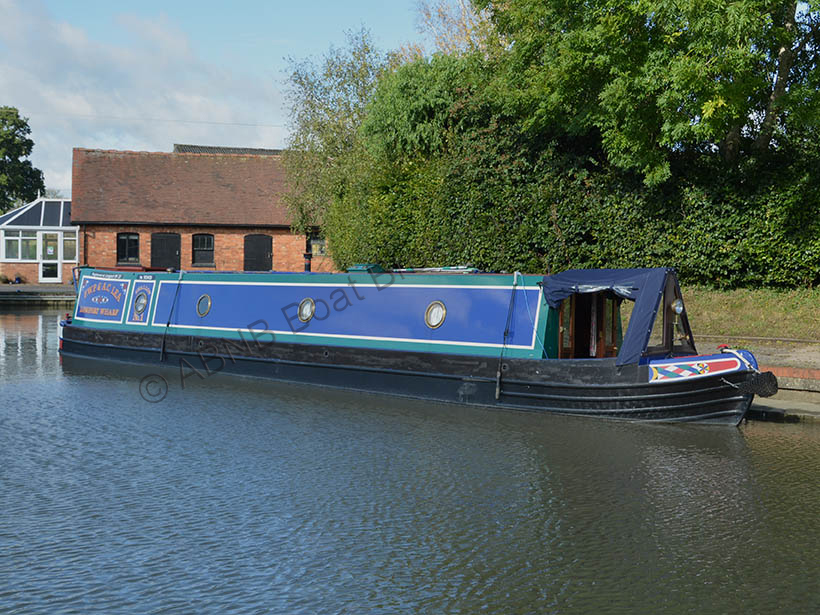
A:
{"points": [[98, 247], [30, 272], [322, 264]]}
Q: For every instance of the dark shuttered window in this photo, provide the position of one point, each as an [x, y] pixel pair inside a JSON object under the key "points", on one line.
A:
{"points": [[128, 248], [203, 249]]}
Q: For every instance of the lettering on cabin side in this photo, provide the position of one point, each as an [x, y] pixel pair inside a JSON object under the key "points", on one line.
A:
{"points": [[115, 289], [102, 299]]}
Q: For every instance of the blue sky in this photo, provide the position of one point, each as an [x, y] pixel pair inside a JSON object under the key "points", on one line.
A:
{"points": [[145, 75]]}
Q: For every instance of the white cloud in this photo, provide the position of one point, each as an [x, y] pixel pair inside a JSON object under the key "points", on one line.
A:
{"points": [[145, 93]]}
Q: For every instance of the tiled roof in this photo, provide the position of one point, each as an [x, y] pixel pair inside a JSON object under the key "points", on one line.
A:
{"points": [[176, 188], [218, 149]]}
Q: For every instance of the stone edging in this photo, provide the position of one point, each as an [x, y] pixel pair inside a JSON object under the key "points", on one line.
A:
{"points": [[795, 378]]}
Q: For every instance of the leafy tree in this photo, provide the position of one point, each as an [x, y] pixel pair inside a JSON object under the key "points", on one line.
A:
{"points": [[414, 108], [660, 79], [327, 103], [19, 180], [613, 134], [456, 26]]}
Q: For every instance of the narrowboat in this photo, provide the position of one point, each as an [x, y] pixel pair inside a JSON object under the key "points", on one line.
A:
{"points": [[553, 343]]}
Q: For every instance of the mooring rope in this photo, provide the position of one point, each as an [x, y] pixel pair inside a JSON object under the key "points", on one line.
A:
{"points": [[532, 320], [170, 316], [506, 335], [740, 357]]}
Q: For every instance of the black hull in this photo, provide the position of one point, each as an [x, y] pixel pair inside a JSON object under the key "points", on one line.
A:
{"points": [[578, 387]]}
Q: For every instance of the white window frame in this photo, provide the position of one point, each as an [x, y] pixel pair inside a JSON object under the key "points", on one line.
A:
{"points": [[63, 232], [20, 239], [38, 231], [36, 239], [3, 245], [63, 235]]}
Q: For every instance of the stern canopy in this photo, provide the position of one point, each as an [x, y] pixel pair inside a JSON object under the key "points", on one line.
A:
{"points": [[646, 287]]}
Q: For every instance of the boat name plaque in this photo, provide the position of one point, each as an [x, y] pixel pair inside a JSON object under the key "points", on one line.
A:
{"points": [[102, 299]]}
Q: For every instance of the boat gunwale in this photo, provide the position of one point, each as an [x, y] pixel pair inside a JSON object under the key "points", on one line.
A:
{"points": [[620, 414], [552, 384]]}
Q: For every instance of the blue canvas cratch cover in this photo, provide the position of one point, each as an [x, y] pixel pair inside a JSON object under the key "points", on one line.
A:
{"points": [[643, 286]]}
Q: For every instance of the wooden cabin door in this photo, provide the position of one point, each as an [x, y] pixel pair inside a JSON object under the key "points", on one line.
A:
{"points": [[588, 326], [576, 327], [607, 326], [566, 332]]}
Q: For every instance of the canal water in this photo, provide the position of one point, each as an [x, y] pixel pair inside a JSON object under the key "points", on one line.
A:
{"points": [[232, 495]]}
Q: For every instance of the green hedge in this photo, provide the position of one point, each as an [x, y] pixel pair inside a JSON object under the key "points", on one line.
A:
{"points": [[553, 214], [446, 173]]}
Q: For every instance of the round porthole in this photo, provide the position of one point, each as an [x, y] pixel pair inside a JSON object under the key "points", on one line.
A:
{"points": [[306, 309], [141, 302], [203, 305], [435, 314]]}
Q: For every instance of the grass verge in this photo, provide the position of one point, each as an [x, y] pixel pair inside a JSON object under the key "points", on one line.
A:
{"points": [[793, 314]]}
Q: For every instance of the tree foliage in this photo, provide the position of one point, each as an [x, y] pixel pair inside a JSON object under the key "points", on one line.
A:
{"points": [[456, 26], [658, 79], [19, 180], [327, 102], [602, 134]]}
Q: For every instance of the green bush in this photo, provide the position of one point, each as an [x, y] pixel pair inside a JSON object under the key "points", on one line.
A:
{"points": [[503, 211], [447, 170]]}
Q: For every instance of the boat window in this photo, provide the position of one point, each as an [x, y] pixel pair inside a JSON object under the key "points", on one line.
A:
{"points": [[306, 309], [565, 328], [656, 338], [141, 302], [610, 325], [671, 334], [203, 305], [435, 314]]}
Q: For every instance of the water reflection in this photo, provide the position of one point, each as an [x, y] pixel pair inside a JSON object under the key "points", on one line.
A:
{"points": [[252, 496], [28, 334]]}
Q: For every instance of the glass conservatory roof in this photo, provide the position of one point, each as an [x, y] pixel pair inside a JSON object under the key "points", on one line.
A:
{"points": [[42, 213]]}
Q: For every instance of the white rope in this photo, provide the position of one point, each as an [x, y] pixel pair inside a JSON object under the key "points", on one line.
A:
{"points": [[741, 358], [529, 313]]}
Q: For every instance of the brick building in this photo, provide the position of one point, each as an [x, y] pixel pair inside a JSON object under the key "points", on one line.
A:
{"points": [[196, 208]]}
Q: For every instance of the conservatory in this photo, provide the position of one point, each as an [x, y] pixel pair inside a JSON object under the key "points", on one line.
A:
{"points": [[38, 243]]}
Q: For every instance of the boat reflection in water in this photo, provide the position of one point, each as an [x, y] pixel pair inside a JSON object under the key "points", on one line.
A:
{"points": [[594, 511], [248, 494]]}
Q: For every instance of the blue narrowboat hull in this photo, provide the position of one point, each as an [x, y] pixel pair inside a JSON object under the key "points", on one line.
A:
{"points": [[587, 388], [491, 349]]}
